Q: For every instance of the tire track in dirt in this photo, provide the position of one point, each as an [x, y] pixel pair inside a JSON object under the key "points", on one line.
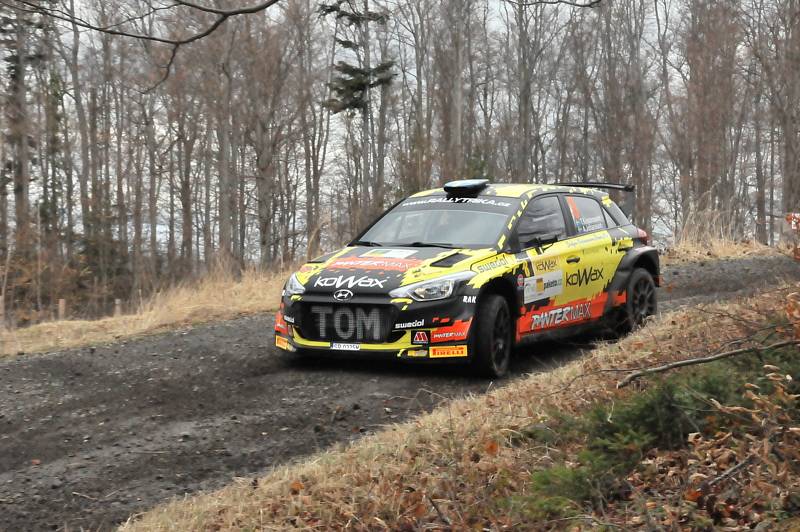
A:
{"points": [[91, 436]]}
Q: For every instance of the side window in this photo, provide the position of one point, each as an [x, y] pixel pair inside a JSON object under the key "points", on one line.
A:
{"points": [[617, 214], [542, 217], [609, 221], [586, 213]]}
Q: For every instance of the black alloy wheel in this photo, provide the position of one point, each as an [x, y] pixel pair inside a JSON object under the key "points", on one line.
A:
{"points": [[491, 337], [641, 301]]}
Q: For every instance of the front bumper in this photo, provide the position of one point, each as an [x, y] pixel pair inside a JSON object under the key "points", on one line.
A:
{"points": [[440, 330]]}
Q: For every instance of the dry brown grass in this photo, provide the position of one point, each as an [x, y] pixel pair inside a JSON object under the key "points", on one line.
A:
{"points": [[218, 296], [709, 238], [453, 465], [698, 250]]}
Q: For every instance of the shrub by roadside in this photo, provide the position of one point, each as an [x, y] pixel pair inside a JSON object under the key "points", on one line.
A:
{"points": [[483, 461]]}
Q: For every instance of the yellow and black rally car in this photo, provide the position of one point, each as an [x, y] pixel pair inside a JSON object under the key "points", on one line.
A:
{"points": [[468, 271]]}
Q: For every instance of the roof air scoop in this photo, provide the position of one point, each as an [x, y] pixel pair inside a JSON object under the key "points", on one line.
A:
{"points": [[465, 187]]}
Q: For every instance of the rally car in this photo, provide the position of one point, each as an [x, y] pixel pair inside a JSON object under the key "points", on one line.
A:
{"points": [[468, 271]]}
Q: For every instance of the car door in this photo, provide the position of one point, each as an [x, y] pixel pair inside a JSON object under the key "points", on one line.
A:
{"points": [[592, 261], [542, 282]]}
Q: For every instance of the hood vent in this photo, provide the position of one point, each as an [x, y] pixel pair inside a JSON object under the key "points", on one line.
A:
{"points": [[450, 260], [322, 258]]}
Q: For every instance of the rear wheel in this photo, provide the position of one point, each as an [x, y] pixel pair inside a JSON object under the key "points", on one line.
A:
{"points": [[491, 337], [640, 303]]}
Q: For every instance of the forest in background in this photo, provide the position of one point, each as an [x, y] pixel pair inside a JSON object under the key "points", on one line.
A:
{"points": [[146, 142]]}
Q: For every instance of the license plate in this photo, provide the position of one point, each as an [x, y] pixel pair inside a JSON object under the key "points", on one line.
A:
{"points": [[345, 347]]}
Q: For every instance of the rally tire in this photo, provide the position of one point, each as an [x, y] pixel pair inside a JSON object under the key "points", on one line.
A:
{"points": [[491, 337], [640, 302]]}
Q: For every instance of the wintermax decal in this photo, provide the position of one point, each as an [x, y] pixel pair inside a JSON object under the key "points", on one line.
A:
{"points": [[585, 276], [456, 331], [366, 263], [559, 316], [350, 281]]}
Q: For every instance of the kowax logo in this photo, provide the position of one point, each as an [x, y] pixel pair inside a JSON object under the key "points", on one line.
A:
{"points": [[342, 295], [350, 281], [584, 276]]}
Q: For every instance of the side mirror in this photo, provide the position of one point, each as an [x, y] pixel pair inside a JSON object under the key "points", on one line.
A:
{"points": [[537, 240]]}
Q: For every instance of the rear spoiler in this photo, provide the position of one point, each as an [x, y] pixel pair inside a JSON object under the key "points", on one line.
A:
{"points": [[597, 184], [627, 203]]}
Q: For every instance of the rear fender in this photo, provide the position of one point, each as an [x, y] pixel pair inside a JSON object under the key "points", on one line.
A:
{"points": [[640, 257]]}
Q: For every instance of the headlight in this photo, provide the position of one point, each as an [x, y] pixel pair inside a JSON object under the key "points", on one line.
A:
{"points": [[293, 286], [432, 290]]}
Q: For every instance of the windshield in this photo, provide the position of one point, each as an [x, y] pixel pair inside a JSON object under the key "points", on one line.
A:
{"points": [[448, 222]]}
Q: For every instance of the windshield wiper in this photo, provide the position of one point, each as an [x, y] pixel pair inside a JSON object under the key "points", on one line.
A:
{"points": [[429, 245], [366, 243]]}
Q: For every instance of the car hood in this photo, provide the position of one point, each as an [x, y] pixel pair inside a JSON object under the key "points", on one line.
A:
{"points": [[374, 271]]}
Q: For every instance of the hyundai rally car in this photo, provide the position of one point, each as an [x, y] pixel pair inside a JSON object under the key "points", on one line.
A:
{"points": [[469, 271]]}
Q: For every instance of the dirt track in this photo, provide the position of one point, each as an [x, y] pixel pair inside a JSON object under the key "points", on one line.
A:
{"points": [[91, 436]]}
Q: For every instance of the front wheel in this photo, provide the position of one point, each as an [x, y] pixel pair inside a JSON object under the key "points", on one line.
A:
{"points": [[640, 302], [491, 337]]}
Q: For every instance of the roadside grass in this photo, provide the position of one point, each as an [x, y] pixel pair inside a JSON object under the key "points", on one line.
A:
{"points": [[688, 250], [552, 450], [217, 296], [709, 239]]}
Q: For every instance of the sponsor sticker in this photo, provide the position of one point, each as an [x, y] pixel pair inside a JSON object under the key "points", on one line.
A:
{"points": [[409, 324], [584, 276], [470, 300], [448, 352], [390, 253], [520, 281], [282, 342], [545, 265], [348, 323], [420, 338], [559, 316], [456, 331], [543, 286], [478, 201], [417, 353], [369, 263], [288, 319], [490, 265], [363, 281], [337, 346]]}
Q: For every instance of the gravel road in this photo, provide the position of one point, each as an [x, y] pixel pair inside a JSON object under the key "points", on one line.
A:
{"points": [[90, 436]]}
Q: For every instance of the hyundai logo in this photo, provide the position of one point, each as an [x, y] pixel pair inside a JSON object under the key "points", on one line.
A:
{"points": [[342, 295]]}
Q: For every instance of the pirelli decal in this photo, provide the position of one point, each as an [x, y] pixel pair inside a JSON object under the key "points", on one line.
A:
{"points": [[282, 342], [451, 351]]}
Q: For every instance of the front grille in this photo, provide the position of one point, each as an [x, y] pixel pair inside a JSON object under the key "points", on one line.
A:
{"points": [[347, 323]]}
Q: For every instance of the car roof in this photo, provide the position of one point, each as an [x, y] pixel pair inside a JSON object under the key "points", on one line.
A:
{"points": [[519, 190]]}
